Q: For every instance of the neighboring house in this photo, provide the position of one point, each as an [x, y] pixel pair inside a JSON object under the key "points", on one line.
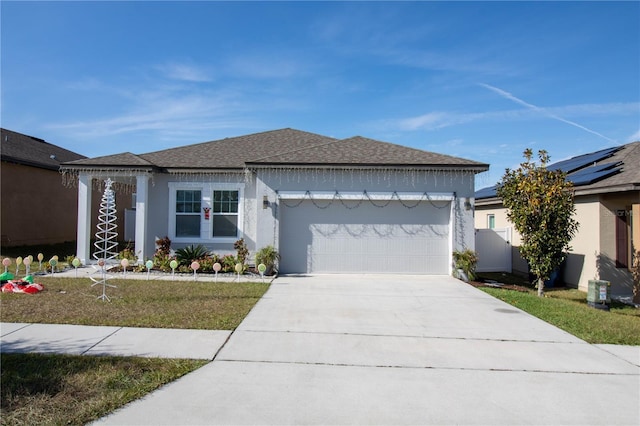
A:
{"points": [[607, 200], [354, 205], [36, 207]]}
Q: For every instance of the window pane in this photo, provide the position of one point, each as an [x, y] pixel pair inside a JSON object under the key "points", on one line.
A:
{"points": [[225, 201], [225, 226], [188, 201], [188, 226]]}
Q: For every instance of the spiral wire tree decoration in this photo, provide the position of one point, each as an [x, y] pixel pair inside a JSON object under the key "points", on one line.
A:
{"points": [[106, 238]]}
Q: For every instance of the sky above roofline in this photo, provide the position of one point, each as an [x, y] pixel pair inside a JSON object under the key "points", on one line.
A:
{"points": [[478, 80]]}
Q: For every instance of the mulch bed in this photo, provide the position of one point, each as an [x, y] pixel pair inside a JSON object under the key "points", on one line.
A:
{"points": [[499, 285]]}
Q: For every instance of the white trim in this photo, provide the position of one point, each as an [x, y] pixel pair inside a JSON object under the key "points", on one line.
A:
{"points": [[142, 207], [452, 236], [83, 239], [376, 196]]}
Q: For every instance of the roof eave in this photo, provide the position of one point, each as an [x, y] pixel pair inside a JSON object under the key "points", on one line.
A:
{"points": [[626, 187], [472, 167], [106, 167], [22, 162]]}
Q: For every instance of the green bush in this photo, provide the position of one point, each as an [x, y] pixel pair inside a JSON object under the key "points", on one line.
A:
{"points": [[466, 260], [269, 256], [188, 254]]}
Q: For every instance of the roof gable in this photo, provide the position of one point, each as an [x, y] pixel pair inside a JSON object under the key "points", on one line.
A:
{"points": [[233, 153], [31, 151]]}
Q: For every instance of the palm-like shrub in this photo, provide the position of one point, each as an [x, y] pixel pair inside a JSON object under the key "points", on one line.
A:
{"points": [[188, 254]]}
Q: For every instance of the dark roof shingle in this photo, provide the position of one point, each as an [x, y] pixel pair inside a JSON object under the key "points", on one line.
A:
{"points": [[363, 151], [31, 151], [284, 147]]}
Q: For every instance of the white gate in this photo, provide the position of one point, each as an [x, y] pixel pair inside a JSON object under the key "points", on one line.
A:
{"points": [[493, 247]]}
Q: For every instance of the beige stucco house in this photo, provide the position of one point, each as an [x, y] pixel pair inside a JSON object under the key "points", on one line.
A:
{"points": [[607, 200]]}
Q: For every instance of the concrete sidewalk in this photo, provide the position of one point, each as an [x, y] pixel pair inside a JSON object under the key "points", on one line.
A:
{"points": [[396, 350], [116, 341]]}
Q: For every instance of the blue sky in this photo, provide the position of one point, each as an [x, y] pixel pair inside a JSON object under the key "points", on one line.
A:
{"points": [[480, 80]]}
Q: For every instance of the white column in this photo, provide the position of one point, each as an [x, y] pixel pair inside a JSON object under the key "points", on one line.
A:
{"points": [[142, 198], [84, 218]]}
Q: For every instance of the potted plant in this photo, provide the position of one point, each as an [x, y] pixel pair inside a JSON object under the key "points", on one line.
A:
{"points": [[269, 256], [465, 264]]}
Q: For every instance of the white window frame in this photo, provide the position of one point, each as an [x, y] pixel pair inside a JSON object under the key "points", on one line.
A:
{"points": [[206, 226], [489, 217]]}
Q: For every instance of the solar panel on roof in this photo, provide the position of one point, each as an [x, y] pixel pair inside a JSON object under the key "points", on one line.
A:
{"points": [[593, 169], [576, 163], [486, 192], [593, 177]]}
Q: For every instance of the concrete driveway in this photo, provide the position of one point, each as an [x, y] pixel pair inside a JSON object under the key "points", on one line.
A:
{"points": [[374, 349]]}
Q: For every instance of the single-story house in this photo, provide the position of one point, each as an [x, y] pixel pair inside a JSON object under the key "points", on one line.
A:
{"points": [[327, 205], [607, 201], [36, 208]]}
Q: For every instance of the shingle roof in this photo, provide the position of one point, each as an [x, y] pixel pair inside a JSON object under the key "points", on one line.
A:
{"points": [[31, 151], [629, 158], [126, 159], [363, 151], [230, 153], [284, 147]]}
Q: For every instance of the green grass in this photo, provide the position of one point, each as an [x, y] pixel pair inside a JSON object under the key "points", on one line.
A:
{"points": [[74, 390], [568, 310], [135, 303], [61, 389]]}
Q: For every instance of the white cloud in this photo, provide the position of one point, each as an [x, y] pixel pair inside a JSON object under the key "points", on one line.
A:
{"points": [[184, 72], [634, 137], [431, 120], [541, 110], [266, 66]]}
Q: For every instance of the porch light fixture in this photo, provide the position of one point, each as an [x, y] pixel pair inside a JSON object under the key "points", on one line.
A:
{"points": [[265, 202]]}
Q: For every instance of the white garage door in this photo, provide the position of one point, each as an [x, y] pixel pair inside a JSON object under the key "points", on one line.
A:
{"points": [[358, 237]]}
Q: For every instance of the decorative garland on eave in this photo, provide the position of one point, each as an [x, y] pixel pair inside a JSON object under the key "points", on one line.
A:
{"points": [[337, 197], [123, 179], [199, 175]]}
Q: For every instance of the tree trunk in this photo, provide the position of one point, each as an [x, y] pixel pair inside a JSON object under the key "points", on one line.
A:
{"points": [[540, 287]]}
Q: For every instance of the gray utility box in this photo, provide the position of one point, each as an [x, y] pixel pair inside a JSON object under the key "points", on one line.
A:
{"points": [[598, 294]]}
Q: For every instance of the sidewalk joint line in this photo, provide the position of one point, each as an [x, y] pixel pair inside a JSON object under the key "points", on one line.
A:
{"points": [[102, 340], [414, 336], [403, 367]]}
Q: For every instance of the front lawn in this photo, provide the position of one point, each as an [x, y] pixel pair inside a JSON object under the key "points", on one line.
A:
{"points": [[567, 309], [75, 390], [38, 389], [135, 303]]}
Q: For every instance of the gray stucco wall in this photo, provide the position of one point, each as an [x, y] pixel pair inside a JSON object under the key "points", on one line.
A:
{"points": [[260, 225]]}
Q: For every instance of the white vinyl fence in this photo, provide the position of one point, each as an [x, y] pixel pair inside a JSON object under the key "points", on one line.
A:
{"points": [[493, 247]]}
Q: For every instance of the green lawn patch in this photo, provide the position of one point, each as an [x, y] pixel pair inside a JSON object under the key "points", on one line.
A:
{"points": [[75, 390], [135, 303], [40, 389], [568, 310]]}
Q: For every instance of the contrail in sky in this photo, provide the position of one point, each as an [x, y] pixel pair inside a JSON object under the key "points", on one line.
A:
{"points": [[543, 111]]}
